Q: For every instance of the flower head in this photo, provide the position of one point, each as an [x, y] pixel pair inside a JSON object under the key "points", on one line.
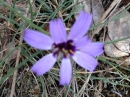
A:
{"points": [[75, 45]]}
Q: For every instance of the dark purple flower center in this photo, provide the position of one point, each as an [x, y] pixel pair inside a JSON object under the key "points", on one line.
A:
{"points": [[65, 49]]}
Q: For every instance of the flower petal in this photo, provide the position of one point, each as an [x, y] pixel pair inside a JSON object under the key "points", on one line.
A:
{"points": [[57, 31], [84, 60], [81, 26], [65, 72], [94, 49], [44, 64], [37, 39], [80, 43]]}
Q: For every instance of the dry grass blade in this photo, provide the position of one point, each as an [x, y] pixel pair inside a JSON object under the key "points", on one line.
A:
{"points": [[83, 87], [17, 62], [114, 3]]}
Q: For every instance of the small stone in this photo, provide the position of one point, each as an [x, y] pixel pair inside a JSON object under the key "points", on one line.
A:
{"points": [[118, 29]]}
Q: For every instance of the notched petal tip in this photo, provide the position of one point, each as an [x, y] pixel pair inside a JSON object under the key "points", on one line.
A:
{"points": [[34, 70], [81, 26], [63, 83], [93, 48], [27, 30], [57, 30], [65, 72], [86, 61], [43, 65], [37, 39]]}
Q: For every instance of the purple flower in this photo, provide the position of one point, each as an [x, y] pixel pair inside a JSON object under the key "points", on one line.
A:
{"points": [[74, 45]]}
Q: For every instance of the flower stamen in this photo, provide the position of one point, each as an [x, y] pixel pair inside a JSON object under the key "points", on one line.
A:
{"points": [[64, 51], [70, 51], [66, 48]]}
